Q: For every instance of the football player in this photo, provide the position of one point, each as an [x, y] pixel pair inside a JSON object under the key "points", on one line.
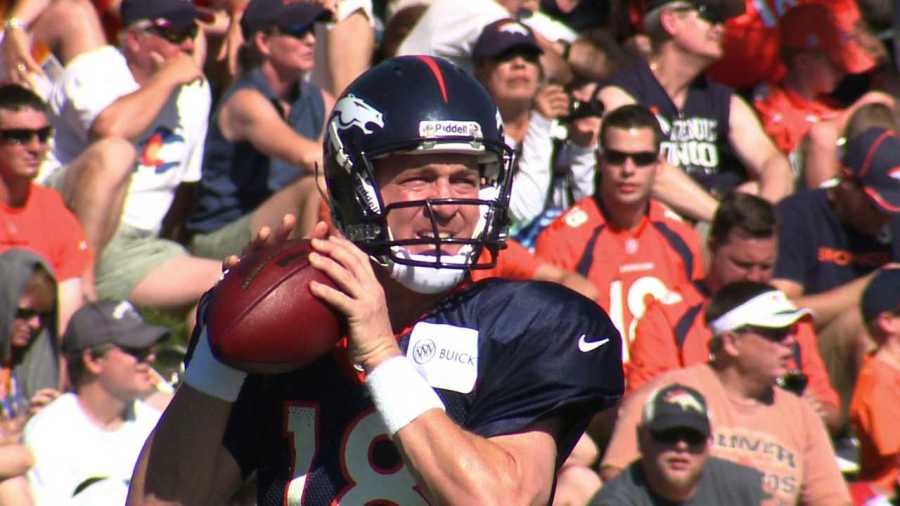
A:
{"points": [[447, 392]]}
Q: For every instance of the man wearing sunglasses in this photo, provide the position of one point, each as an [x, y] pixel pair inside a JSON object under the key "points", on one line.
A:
{"points": [[756, 424], [675, 466], [620, 239], [705, 125], [32, 216], [85, 443], [264, 141], [148, 103]]}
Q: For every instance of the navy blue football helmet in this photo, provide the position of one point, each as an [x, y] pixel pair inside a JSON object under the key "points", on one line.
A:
{"points": [[409, 105]]}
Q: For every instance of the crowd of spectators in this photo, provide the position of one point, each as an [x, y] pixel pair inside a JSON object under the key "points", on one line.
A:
{"points": [[721, 176]]}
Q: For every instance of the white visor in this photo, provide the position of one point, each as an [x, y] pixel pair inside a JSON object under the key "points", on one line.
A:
{"points": [[769, 310]]}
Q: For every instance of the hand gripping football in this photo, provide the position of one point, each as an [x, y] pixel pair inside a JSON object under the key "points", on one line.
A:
{"points": [[262, 318]]}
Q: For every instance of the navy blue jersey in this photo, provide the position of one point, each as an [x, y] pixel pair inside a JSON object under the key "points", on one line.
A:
{"points": [[819, 252], [502, 355], [695, 137]]}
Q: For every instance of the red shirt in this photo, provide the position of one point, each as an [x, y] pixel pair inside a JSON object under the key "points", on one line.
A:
{"points": [[787, 117], [626, 266], [46, 227]]}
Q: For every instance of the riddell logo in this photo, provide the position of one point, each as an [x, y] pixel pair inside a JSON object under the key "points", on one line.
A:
{"points": [[450, 129]]}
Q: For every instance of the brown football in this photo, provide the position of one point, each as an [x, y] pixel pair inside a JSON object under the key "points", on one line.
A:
{"points": [[262, 318]]}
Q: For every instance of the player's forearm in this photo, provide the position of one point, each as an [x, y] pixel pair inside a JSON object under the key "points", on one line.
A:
{"points": [[458, 467], [183, 462]]}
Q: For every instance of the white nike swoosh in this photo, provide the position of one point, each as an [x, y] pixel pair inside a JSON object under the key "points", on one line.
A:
{"points": [[586, 346]]}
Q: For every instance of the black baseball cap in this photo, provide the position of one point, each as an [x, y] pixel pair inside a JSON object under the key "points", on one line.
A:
{"points": [[713, 10], [294, 14], [503, 35], [676, 406], [110, 322], [175, 13], [881, 294], [873, 159]]}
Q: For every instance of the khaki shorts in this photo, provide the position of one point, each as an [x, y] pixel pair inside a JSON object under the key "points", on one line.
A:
{"points": [[129, 257], [227, 240]]}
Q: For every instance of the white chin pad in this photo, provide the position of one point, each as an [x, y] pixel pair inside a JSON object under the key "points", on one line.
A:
{"points": [[428, 280]]}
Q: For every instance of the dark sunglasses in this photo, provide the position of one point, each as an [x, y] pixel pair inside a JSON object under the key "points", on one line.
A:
{"points": [[139, 354], [641, 158], [707, 13], [776, 335], [296, 31], [25, 135], [171, 34], [527, 54], [27, 314], [672, 436]]}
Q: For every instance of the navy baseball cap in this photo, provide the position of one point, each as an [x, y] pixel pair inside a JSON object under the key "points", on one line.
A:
{"points": [[676, 406], [298, 15], [873, 159], [110, 322], [503, 35], [717, 11], [881, 294], [175, 13]]}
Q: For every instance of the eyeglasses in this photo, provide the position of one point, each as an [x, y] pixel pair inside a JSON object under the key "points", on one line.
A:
{"points": [[527, 54], [672, 436], [705, 12], [776, 334], [165, 30], [25, 135], [139, 354], [641, 158], [295, 31], [27, 314]]}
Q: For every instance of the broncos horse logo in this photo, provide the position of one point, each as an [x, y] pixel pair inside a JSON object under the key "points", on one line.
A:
{"points": [[353, 111]]}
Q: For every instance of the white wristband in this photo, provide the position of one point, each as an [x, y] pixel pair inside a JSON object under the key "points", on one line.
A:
{"points": [[400, 393], [207, 374]]}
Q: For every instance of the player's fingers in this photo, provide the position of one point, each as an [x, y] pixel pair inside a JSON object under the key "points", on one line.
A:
{"points": [[345, 253], [320, 230], [332, 296], [343, 278]]}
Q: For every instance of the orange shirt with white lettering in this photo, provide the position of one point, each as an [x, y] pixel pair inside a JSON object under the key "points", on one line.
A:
{"points": [[784, 439], [628, 267]]}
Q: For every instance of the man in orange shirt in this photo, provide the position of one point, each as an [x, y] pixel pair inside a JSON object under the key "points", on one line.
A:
{"points": [[876, 400], [34, 217], [743, 244], [627, 244], [755, 423]]}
